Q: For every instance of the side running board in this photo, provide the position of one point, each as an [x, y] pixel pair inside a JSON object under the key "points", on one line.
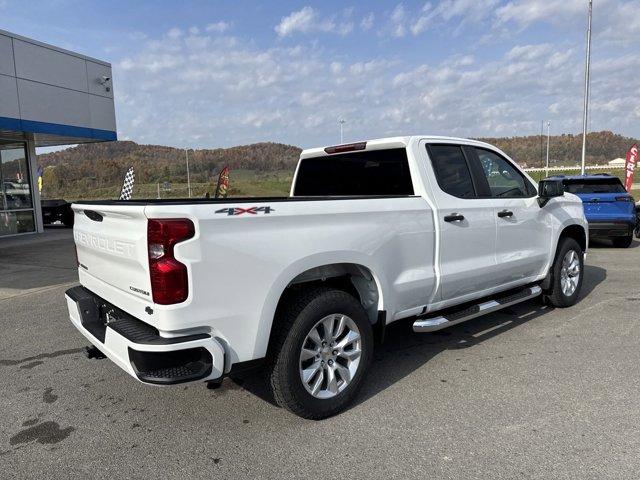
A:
{"points": [[431, 324]]}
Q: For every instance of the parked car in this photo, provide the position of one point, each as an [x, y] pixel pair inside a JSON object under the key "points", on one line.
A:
{"points": [[57, 210], [433, 229], [609, 209]]}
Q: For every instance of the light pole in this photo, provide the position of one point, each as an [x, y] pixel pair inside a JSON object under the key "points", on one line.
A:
{"points": [[342, 121], [586, 93], [548, 135], [186, 154]]}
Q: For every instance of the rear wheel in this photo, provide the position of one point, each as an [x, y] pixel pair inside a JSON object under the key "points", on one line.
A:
{"points": [[321, 353], [622, 242], [567, 274]]}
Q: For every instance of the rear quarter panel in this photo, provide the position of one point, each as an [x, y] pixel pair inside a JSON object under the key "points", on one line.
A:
{"points": [[239, 265]]}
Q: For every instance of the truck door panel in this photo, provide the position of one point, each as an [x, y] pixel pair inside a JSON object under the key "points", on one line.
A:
{"points": [[467, 227], [523, 236]]}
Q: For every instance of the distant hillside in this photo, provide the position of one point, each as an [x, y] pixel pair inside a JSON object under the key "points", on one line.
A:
{"points": [[566, 149], [83, 169], [94, 170]]}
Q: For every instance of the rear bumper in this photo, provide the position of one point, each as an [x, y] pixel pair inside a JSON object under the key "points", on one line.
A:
{"points": [[611, 229], [138, 349]]}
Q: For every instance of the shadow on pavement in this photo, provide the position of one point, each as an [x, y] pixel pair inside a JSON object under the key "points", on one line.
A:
{"points": [[600, 243], [405, 351], [35, 264]]}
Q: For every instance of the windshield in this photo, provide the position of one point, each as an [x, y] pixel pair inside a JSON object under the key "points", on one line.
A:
{"points": [[367, 173], [596, 185]]}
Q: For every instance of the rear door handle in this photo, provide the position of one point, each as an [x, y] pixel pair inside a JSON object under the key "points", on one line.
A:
{"points": [[505, 213], [454, 217]]}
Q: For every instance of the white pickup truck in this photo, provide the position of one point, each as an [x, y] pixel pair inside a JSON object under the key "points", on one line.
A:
{"points": [[438, 230]]}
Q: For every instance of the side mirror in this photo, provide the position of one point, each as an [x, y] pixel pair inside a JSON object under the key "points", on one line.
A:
{"points": [[548, 189]]}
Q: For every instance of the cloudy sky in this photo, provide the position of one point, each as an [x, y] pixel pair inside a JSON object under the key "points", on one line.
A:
{"points": [[206, 73]]}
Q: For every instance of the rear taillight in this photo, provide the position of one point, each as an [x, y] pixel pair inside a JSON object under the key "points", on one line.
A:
{"points": [[625, 198], [169, 279]]}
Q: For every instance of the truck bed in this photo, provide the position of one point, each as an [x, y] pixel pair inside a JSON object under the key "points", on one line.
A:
{"points": [[215, 201]]}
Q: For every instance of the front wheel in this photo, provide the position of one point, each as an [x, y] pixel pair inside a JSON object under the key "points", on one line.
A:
{"points": [[321, 353], [567, 274]]}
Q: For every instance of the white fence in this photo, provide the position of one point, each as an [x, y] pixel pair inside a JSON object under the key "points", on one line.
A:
{"points": [[576, 168]]}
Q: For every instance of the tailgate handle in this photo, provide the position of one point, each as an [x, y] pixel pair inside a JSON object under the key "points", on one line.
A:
{"points": [[95, 216]]}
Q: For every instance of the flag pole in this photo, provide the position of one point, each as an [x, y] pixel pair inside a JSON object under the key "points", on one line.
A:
{"points": [[586, 94]]}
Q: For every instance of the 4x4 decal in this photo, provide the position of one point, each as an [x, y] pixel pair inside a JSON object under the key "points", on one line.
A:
{"points": [[241, 211]]}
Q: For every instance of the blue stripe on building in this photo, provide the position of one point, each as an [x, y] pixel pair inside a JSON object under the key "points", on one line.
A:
{"points": [[15, 124]]}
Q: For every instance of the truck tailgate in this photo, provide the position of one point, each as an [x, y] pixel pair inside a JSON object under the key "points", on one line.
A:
{"points": [[111, 242]]}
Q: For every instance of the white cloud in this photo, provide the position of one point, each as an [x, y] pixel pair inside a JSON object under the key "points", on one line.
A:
{"points": [[529, 52], [174, 33], [622, 23], [367, 21], [527, 12], [463, 11], [425, 18], [614, 21], [308, 20], [218, 27], [212, 90], [398, 16]]}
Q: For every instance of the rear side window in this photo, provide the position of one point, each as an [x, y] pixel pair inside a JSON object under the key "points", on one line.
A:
{"points": [[596, 185], [452, 171], [367, 173]]}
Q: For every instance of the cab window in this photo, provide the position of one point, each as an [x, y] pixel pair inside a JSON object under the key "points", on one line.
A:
{"points": [[504, 180]]}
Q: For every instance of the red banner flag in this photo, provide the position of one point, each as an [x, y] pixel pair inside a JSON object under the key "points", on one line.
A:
{"points": [[629, 167], [223, 184]]}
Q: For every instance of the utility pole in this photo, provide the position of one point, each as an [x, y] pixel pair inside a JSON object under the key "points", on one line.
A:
{"points": [[548, 135], [586, 93], [342, 121], [186, 153]]}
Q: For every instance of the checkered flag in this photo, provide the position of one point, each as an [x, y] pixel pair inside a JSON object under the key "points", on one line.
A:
{"points": [[127, 186]]}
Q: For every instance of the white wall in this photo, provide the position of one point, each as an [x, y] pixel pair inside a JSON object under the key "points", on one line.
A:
{"points": [[42, 83]]}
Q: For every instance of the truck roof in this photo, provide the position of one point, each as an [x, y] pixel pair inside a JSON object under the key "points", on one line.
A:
{"points": [[392, 142]]}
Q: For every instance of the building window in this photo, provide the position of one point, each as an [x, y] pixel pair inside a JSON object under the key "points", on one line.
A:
{"points": [[16, 201]]}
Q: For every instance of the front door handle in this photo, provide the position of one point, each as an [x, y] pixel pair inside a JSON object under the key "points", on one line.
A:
{"points": [[454, 217], [505, 213]]}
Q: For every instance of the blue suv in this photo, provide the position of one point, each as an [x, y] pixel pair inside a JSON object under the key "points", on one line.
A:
{"points": [[609, 209]]}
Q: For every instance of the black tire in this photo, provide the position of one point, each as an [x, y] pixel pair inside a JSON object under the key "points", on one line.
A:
{"points": [[556, 296], [622, 242], [301, 313]]}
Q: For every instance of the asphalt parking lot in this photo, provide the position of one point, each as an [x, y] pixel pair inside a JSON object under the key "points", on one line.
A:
{"points": [[530, 392]]}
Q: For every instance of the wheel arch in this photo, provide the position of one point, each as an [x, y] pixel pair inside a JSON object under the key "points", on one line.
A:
{"points": [[353, 275], [575, 231]]}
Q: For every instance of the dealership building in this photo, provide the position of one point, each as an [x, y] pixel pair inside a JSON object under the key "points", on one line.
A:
{"points": [[48, 97]]}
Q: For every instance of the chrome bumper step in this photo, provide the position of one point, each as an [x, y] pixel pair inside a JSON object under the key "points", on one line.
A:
{"points": [[431, 324]]}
